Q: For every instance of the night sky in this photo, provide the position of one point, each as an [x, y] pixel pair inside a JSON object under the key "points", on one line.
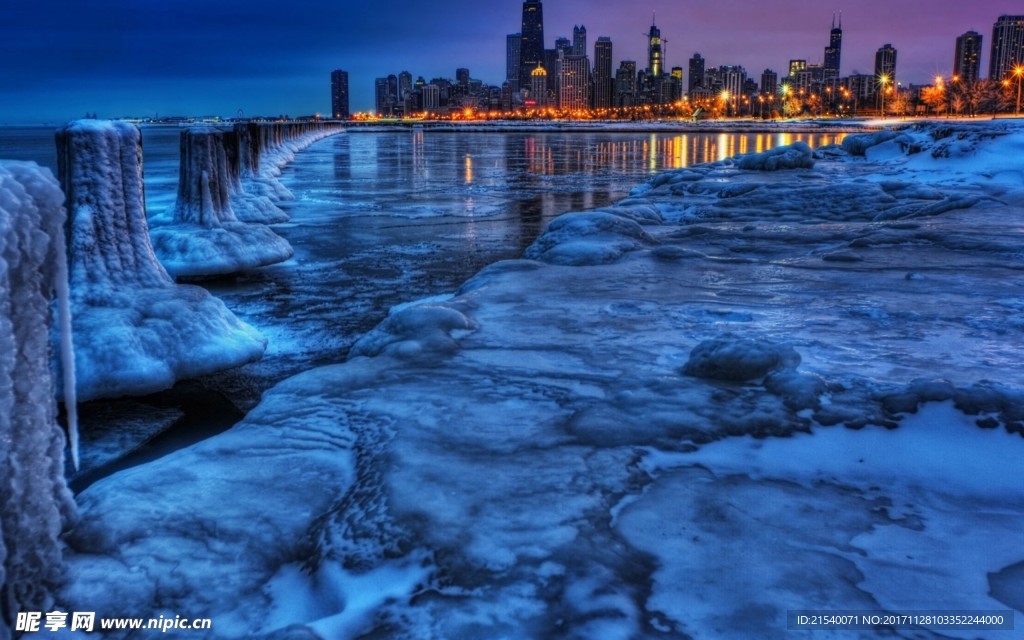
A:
{"points": [[63, 58]]}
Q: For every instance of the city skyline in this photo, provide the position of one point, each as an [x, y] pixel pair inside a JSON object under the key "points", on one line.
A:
{"points": [[247, 57]]}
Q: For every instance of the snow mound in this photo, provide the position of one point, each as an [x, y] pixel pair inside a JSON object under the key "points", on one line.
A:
{"points": [[738, 359], [35, 504], [597, 237], [413, 331], [205, 237], [857, 145], [794, 156], [136, 331]]}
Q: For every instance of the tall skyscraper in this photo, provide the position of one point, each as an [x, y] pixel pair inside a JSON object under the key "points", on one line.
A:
{"points": [[655, 54], [579, 40], [531, 50], [603, 73], [769, 82], [967, 56], [696, 73], [339, 94], [513, 44], [834, 50], [885, 64], [1007, 47], [574, 82], [462, 77]]}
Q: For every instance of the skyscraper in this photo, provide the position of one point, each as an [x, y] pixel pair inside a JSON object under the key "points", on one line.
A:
{"points": [[531, 50], [655, 56], [603, 73], [339, 94], [539, 87], [513, 43], [574, 82], [1007, 46], [885, 64], [796, 66], [382, 102], [696, 73], [404, 85], [967, 56], [579, 40], [462, 77], [625, 84], [833, 52]]}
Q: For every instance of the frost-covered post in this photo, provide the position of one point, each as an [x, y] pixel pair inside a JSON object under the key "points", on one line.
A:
{"points": [[204, 179], [136, 331], [35, 504]]}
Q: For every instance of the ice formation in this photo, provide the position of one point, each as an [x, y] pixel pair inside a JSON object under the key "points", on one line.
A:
{"points": [[205, 237], [529, 458], [135, 330], [35, 504]]}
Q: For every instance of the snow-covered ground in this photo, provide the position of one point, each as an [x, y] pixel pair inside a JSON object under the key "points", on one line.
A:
{"points": [[736, 393]]}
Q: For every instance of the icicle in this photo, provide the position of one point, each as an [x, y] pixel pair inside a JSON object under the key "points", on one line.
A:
{"points": [[67, 349]]}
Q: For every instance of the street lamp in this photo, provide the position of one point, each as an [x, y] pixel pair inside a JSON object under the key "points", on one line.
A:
{"points": [[1018, 72], [725, 101], [882, 81]]}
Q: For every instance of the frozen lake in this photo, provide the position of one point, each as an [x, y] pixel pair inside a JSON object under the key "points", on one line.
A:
{"points": [[381, 219]]}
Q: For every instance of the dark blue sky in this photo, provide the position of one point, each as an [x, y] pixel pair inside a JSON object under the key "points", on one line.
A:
{"points": [[63, 58]]}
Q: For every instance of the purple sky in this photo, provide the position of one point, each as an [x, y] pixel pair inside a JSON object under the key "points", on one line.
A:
{"points": [[63, 58]]}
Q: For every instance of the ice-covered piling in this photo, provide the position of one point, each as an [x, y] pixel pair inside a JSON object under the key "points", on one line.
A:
{"points": [[136, 331], [205, 236], [266, 147], [35, 504]]}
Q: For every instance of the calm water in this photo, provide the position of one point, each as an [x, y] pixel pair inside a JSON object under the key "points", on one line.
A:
{"points": [[384, 218]]}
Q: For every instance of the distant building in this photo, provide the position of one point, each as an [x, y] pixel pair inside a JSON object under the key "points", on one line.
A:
{"points": [[431, 97], [383, 103], [574, 82], [834, 50], [733, 79], [539, 87], [696, 73], [625, 84], [531, 48], [404, 85], [513, 44], [579, 40], [796, 66], [1007, 46], [967, 56], [769, 82], [676, 84], [885, 64], [603, 73], [462, 78], [339, 94]]}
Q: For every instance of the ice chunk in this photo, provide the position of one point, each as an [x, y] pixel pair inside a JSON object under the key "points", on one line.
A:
{"points": [[35, 504], [136, 332], [597, 237], [795, 156], [857, 145], [737, 359]]}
